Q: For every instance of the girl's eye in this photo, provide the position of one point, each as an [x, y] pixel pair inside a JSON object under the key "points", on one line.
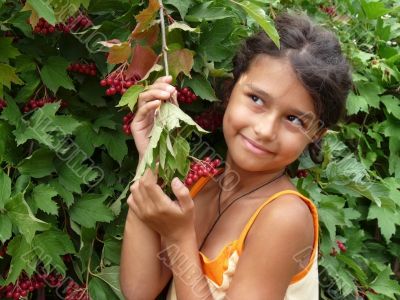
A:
{"points": [[296, 120], [256, 99]]}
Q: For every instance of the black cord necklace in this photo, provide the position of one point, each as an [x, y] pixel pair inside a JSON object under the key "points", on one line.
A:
{"points": [[245, 194]]}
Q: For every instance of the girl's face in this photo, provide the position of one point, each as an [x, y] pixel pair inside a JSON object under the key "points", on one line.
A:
{"points": [[269, 118]]}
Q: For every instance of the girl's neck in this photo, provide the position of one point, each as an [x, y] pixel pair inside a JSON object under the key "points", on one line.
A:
{"points": [[238, 180]]}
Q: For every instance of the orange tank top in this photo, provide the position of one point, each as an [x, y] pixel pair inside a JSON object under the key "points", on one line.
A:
{"points": [[219, 271]]}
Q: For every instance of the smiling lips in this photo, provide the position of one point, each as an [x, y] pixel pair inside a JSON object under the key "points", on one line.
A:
{"points": [[255, 147]]}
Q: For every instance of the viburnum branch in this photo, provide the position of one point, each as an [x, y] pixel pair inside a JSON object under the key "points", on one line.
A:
{"points": [[163, 38]]}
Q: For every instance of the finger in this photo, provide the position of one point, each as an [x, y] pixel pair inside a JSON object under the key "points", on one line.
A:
{"points": [[144, 111], [132, 205], [150, 176], [167, 79], [153, 94], [182, 194], [138, 198], [174, 98], [163, 86]]}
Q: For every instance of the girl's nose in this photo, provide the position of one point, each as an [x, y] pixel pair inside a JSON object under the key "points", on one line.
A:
{"points": [[266, 127]]}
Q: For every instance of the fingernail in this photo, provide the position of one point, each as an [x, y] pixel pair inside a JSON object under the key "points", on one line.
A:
{"points": [[170, 89]]}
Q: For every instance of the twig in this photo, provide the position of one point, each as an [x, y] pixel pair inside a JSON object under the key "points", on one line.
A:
{"points": [[163, 38]]}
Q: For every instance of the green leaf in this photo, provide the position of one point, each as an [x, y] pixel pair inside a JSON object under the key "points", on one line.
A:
{"points": [[7, 50], [183, 26], [5, 228], [38, 165], [182, 149], [12, 113], [85, 137], [115, 144], [131, 96], [392, 105], [9, 152], [259, 15], [171, 116], [27, 90], [331, 213], [90, 209], [22, 217], [54, 74], [5, 189], [147, 159], [201, 87], [384, 285], [355, 104], [50, 245], [110, 275], [42, 195], [63, 9], [163, 148], [8, 76], [360, 274], [66, 195], [205, 12], [112, 250], [19, 21], [387, 219], [182, 6], [23, 258], [394, 162], [44, 10], [47, 128], [98, 289], [374, 10]]}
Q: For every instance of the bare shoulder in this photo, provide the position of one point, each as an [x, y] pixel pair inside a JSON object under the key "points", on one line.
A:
{"points": [[286, 216], [280, 234]]}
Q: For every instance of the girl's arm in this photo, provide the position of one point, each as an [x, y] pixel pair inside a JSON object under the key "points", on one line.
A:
{"points": [[143, 275]]}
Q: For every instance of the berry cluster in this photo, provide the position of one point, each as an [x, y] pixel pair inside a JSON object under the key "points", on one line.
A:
{"points": [[127, 123], [37, 103], [43, 27], [330, 10], [81, 22], [118, 83], [302, 173], [26, 285], [186, 95], [202, 168], [3, 104], [210, 119], [76, 292], [87, 69]]}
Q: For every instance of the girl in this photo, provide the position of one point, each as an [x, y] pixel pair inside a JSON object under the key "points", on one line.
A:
{"points": [[257, 239]]}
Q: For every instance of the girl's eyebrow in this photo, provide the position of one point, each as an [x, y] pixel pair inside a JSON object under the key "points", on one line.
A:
{"points": [[259, 91], [265, 94]]}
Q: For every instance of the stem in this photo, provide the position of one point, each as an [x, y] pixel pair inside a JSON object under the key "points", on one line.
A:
{"points": [[163, 38]]}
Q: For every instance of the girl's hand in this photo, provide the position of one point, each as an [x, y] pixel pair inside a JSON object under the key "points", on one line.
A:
{"points": [[173, 220], [148, 102]]}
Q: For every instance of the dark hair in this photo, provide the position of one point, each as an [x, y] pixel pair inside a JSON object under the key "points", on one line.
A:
{"points": [[315, 56]]}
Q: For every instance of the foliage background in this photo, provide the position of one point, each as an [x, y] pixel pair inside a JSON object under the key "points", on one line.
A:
{"points": [[65, 172]]}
